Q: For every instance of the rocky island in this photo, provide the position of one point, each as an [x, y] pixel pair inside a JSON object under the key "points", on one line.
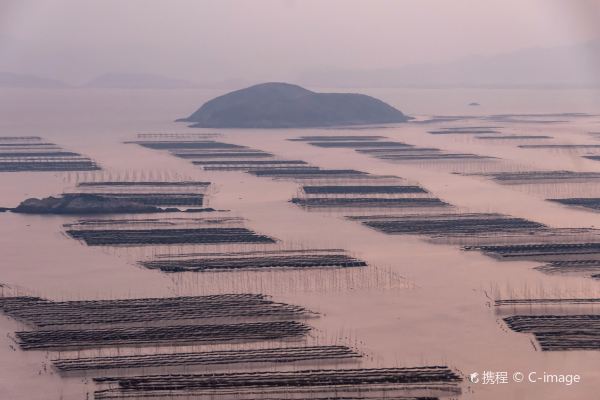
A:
{"points": [[283, 105], [84, 204]]}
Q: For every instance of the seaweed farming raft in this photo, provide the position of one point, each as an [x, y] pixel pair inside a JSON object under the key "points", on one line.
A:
{"points": [[368, 202], [271, 355], [337, 138], [141, 232], [541, 251], [379, 193], [328, 383], [156, 199], [562, 251], [589, 268], [514, 137], [32, 154], [364, 191], [557, 324], [213, 155], [143, 184], [43, 313], [590, 203], [390, 150], [64, 339], [560, 146], [466, 130], [142, 322], [245, 165], [255, 260], [435, 225], [539, 177], [186, 144], [152, 193], [136, 237]]}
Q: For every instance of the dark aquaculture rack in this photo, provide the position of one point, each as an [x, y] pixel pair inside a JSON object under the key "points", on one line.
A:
{"points": [[357, 196], [592, 203], [539, 177], [560, 146], [64, 339], [362, 189], [128, 237], [276, 355], [249, 163], [471, 128], [34, 145], [448, 224], [47, 165], [392, 151], [218, 150], [128, 184], [153, 199], [347, 392], [177, 135], [403, 150], [475, 229], [308, 173], [219, 156], [170, 321], [368, 202], [561, 253], [299, 170], [44, 313], [571, 266], [156, 193], [358, 144], [462, 131], [429, 155], [558, 324], [539, 250], [180, 144], [19, 138], [30, 153], [257, 261], [325, 380], [337, 138], [222, 155], [548, 301], [560, 332], [514, 137], [101, 223], [38, 154]]}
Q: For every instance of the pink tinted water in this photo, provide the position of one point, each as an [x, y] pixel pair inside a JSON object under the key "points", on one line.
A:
{"points": [[437, 312]]}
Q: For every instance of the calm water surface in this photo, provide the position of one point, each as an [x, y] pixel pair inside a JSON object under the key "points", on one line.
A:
{"points": [[433, 305]]}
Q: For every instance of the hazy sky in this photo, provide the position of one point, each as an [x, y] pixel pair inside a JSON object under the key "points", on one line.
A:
{"points": [[208, 41]]}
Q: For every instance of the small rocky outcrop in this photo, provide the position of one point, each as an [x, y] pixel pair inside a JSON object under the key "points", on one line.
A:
{"points": [[82, 204]]}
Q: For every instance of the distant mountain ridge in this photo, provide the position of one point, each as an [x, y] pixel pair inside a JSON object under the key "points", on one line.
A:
{"points": [[13, 80], [105, 81], [576, 66], [138, 81], [283, 105]]}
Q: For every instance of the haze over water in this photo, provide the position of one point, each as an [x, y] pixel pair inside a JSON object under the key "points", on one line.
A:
{"points": [[419, 301], [439, 310]]}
